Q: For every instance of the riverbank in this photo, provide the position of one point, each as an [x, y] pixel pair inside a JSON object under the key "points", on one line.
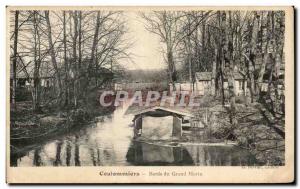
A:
{"points": [[27, 127], [258, 129]]}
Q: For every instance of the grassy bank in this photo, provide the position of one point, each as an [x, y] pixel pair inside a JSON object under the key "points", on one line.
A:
{"points": [[28, 127], [258, 130]]}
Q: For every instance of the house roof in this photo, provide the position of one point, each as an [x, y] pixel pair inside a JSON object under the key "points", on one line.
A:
{"points": [[203, 76], [172, 110]]}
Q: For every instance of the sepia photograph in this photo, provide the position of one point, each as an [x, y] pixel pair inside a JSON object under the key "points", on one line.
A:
{"points": [[176, 89]]}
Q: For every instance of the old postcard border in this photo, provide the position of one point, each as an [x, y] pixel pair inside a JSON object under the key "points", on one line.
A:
{"points": [[265, 174]]}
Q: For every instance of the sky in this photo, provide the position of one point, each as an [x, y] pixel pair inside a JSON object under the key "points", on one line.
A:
{"points": [[146, 47]]}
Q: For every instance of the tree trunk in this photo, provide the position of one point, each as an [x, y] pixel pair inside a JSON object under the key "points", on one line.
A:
{"points": [[214, 76], [79, 40], [14, 66], [171, 66], [189, 51], [229, 64], [53, 56], [266, 56], [95, 42], [75, 57], [250, 71], [220, 59], [252, 55], [37, 62], [66, 62], [79, 54], [203, 43]]}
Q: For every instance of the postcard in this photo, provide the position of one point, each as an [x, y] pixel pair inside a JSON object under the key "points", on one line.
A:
{"points": [[150, 94]]}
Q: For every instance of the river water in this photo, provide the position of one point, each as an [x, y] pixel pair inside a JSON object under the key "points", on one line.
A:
{"points": [[108, 142]]}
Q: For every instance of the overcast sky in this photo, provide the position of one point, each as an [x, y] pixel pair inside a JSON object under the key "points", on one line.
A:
{"points": [[146, 45]]}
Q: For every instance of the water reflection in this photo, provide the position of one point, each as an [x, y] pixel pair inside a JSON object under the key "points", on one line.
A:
{"points": [[37, 161], [105, 142], [220, 156], [57, 161], [109, 143], [151, 154], [77, 157]]}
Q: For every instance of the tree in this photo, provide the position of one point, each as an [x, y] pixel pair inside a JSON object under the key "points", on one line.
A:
{"points": [[37, 63], [71, 46], [52, 54], [229, 66], [14, 67], [66, 61], [165, 24], [95, 42]]}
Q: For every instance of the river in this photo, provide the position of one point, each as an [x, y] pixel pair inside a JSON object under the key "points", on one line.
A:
{"points": [[108, 142]]}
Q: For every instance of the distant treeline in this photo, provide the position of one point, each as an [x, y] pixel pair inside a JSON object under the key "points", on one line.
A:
{"points": [[145, 76]]}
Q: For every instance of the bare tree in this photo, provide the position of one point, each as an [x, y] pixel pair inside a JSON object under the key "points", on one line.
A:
{"points": [[66, 61], [52, 53], [37, 63], [14, 67], [95, 42], [165, 24]]}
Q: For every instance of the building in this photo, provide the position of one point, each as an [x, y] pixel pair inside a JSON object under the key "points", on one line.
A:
{"points": [[25, 75], [28, 81], [181, 86], [204, 83], [240, 84], [159, 123]]}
